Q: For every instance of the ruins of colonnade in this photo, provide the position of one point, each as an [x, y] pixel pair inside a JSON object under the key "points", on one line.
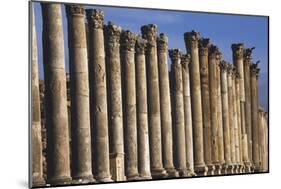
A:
{"points": [[122, 115]]}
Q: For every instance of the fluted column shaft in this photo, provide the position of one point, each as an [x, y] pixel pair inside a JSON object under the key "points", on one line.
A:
{"points": [[185, 60], [165, 106], [142, 120], [177, 90], [55, 95], [154, 119], [37, 161], [191, 42], [79, 90], [127, 41]]}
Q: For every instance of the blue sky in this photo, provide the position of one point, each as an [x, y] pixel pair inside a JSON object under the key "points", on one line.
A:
{"points": [[222, 29]]}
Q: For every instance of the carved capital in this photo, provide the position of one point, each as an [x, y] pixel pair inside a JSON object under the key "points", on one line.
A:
{"points": [[229, 69], [140, 45], [175, 55], [185, 60], [248, 55], [74, 10], [112, 34], [95, 18], [191, 39], [255, 70], [149, 32], [234, 72], [203, 46], [128, 41], [237, 50], [213, 51], [224, 66], [162, 43]]}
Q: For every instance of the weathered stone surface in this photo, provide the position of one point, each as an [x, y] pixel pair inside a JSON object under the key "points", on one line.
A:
{"points": [[154, 120], [165, 106], [114, 97], [191, 43], [79, 87], [58, 159]]}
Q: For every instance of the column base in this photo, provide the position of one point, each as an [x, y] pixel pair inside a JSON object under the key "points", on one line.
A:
{"points": [[60, 180], [133, 177], [236, 169], [230, 169], [182, 172], [241, 168], [218, 168], [172, 172], [38, 181], [145, 177], [104, 180], [190, 173], [211, 169], [224, 168], [201, 170], [247, 167], [83, 179], [157, 173]]}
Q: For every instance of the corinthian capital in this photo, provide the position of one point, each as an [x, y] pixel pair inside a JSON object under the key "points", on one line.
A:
{"points": [[149, 32], [74, 10], [248, 54], [95, 18], [213, 51], [162, 43], [255, 70], [223, 66], [191, 39], [128, 41], [237, 50], [175, 55], [230, 69], [140, 45], [185, 60], [112, 33], [203, 46]]}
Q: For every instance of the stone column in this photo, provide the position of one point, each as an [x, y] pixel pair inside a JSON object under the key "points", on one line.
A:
{"points": [[55, 95], [231, 117], [204, 78], [79, 90], [248, 116], [154, 120], [225, 117], [128, 41], [254, 92], [185, 60], [213, 78], [191, 42], [262, 139], [165, 106], [114, 99], [98, 96], [177, 92], [142, 121], [219, 114], [37, 158]]}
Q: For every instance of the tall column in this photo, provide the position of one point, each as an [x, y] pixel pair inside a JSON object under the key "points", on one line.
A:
{"points": [[191, 43], [213, 78], [238, 52], [262, 139], [248, 117], [225, 117], [185, 60], [206, 111], [128, 41], [37, 158], [254, 92], [165, 106], [177, 90], [55, 95], [142, 120], [154, 120], [114, 99], [231, 117], [98, 96], [219, 114], [79, 89]]}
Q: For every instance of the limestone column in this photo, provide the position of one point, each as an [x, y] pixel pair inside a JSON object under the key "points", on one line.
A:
{"points": [[248, 117], [213, 78], [261, 139], [191, 43], [185, 60], [142, 120], [55, 95], [127, 46], [79, 89], [231, 117], [154, 120], [98, 92], [177, 92], [225, 117], [254, 92], [114, 99], [165, 106], [219, 114], [37, 157], [204, 78]]}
